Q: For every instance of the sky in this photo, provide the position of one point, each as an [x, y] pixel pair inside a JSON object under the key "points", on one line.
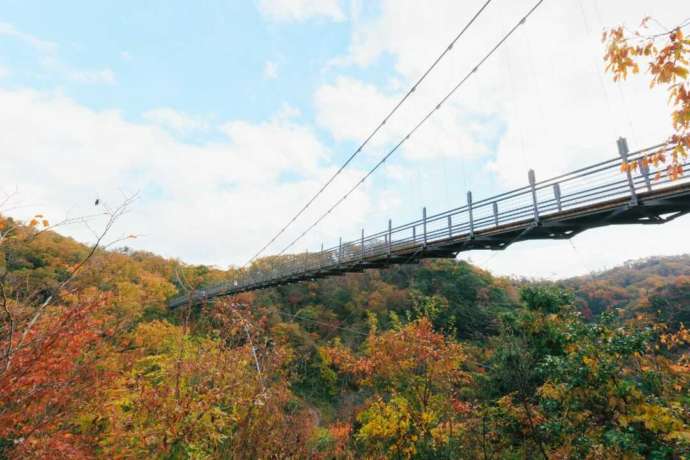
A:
{"points": [[224, 117]]}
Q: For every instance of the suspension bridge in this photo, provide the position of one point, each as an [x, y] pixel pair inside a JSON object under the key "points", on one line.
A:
{"points": [[557, 208]]}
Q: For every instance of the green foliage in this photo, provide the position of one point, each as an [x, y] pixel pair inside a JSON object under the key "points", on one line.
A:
{"points": [[545, 298]]}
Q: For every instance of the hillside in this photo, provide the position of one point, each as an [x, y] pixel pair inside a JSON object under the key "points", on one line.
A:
{"points": [[658, 284], [436, 360]]}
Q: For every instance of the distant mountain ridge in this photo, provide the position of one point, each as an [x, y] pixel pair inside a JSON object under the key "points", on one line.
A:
{"points": [[652, 284]]}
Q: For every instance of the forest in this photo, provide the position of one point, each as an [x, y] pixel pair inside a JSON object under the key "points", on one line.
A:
{"points": [[429, 361]]}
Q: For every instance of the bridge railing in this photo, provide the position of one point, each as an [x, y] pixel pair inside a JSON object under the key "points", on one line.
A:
{"points": [[586, 186]]}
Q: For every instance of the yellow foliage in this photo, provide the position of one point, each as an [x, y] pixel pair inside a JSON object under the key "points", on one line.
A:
{"points": [[655, 418], [387, 427], [590, 362], [552, 391]]}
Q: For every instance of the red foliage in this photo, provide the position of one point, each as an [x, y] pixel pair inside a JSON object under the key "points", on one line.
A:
{"points": [[51, 372]]}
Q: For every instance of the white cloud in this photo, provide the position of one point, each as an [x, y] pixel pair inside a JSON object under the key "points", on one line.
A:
{"points": [[48, 59], [543, 97], [590, 251], [102, 76], [287, 112], [79, 75], [270, 70], [301, 10], [546, 86], [44, 46], [350, 109], [276, 146], [4, 72], [214, 203], [175, 121]]}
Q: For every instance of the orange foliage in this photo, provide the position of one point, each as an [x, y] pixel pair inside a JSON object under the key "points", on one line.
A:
{"points": [[50, 373], [668, 65], [394, 355]]}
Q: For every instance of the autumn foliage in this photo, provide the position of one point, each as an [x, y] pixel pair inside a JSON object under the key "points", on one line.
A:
{"points": [[51, 374], [666, 58], [440, 360]]}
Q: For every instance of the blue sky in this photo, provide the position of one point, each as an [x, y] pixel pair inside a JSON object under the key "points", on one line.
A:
{"points": [[202, 58], [227, 115]]}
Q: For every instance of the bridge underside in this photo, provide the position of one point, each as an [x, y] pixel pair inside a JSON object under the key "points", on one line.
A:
{"points": [[651, 208]]}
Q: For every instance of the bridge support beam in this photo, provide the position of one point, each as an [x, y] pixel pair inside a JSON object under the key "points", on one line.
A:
{"points": [[362, 244], [623, 152], [469, 210], [533, 188], [643, 164], [557, 196]]}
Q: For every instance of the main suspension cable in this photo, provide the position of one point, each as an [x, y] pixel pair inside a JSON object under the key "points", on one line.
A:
{"points": [[374, 132], [418, 125]]}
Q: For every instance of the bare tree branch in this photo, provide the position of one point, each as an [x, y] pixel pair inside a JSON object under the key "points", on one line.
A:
{"points": [[113, 216]]}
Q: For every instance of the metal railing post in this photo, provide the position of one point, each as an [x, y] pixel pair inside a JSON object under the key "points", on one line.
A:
{"points": [[424, 223], [414, 234], [557, 195], [623, 152], [495, 206], [533, 187], [390, 236], [362, 243], [450, 226], [643, 164], [340, 249], [469, 209]]}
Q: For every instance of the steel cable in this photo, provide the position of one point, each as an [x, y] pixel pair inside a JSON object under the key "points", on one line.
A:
{"points": [[374, 132], [418, 125]]}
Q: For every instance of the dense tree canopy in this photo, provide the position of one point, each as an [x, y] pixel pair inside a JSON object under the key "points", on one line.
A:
{"points": [[437, 360]]}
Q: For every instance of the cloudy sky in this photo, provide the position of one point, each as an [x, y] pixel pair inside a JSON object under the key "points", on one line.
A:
{"points": [[226, 116]]}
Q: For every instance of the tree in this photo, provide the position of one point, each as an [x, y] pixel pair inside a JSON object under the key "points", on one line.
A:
{"points": [[617, 391], [415, 375], [49, 376], [183, 395], [612, 388], [666, 56], [51, 338]]}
